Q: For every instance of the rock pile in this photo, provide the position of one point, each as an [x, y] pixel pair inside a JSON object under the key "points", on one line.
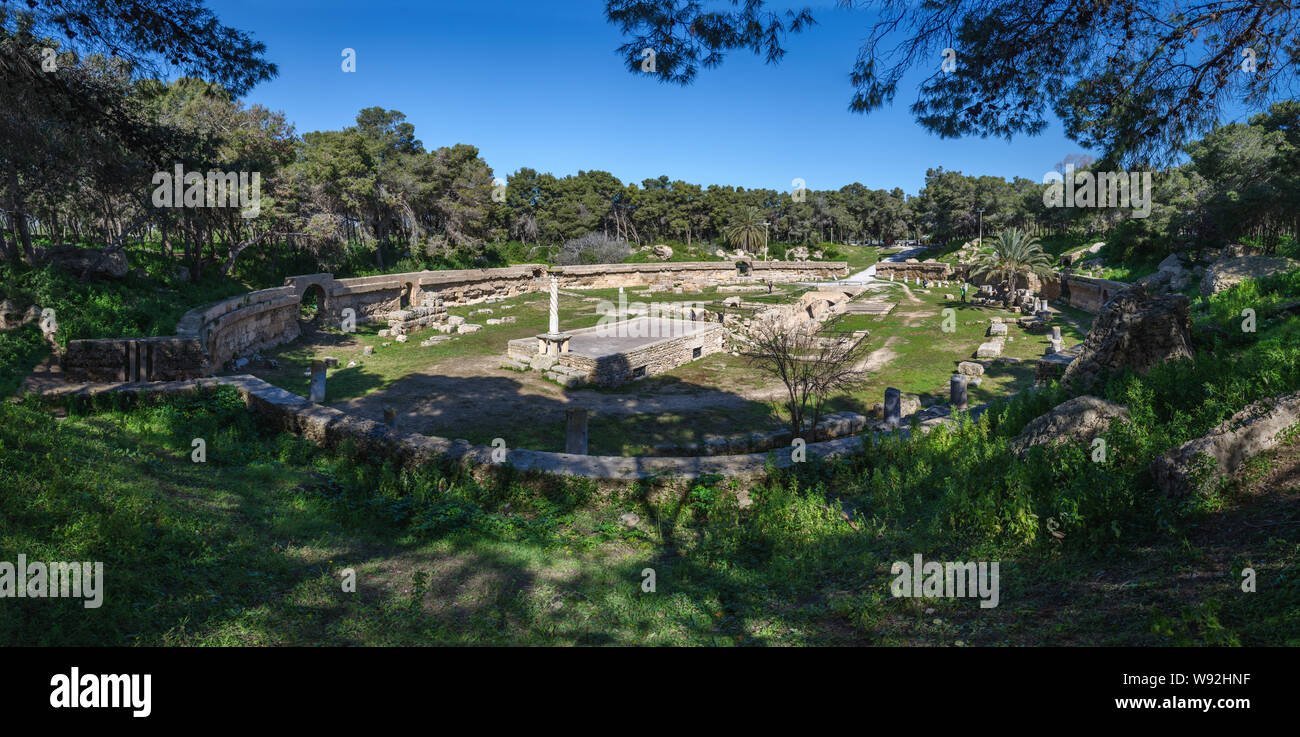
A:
{"points": [[431, 314], [1135, 330]]}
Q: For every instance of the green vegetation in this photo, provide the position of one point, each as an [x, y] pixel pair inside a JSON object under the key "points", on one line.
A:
{"points": [[132, 307], [1014, 254], [249, 547]]}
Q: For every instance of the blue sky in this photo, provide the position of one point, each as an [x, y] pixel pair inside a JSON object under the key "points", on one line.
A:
{"points": [[540, 84]]}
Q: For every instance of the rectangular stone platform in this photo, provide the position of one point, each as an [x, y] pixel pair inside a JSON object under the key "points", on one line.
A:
{"points": [[614, 353]]}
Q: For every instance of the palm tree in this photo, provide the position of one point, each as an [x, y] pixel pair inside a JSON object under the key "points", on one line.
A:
{"points": [[746, 231], [1015, 252]]}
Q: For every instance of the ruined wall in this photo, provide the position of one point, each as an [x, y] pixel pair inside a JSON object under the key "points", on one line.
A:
{"points": [[1089, 293], [260, 319], [269, 317], [134, 359], [934, 271], [701, 274], [1051, 288], [331, 427], [654, 358], [206, 337]]}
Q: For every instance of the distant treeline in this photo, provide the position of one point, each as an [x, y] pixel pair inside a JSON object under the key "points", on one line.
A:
{"points": [[85, 171]]}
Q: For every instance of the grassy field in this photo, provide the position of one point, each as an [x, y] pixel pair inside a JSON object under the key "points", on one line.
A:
{"points": [[252, 547]]}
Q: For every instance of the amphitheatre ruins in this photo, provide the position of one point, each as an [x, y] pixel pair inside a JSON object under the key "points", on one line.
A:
{"points": [[694, 310]]}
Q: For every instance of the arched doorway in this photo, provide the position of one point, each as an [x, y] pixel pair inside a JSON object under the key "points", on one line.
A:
{"points": [[313, 303]]}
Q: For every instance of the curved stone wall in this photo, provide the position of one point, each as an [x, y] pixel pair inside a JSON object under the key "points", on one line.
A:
{"points": [[331, 427], [209, 336]]}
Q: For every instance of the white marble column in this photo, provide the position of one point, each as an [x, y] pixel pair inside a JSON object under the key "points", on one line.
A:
{"points": [[555, 306]]}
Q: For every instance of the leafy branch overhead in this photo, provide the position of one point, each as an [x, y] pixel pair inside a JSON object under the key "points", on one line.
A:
{"points": [[150, 35], [1131, 78]]}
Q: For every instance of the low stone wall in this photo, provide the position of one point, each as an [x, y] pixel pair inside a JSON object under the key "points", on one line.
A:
{"points": [[134, 359], [699, 274], [934, 270], [833, 426], [1090, 293], [260, 319], [330, 427], [206, 337]]}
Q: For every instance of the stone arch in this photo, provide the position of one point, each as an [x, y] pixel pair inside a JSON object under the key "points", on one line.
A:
{"points": [[325, 285], [407, 298], [744, 268], [312, 303]]}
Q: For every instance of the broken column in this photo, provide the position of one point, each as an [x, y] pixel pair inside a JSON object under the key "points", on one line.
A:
{"points": [[1056, 332], [575, 431], [893, 407], [957, 391], [316, 388]]}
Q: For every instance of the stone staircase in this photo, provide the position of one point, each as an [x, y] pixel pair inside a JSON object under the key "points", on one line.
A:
{"points": [[567, 376]]}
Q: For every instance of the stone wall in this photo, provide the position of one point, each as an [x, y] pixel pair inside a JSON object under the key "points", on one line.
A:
{"points": [[1051, 288], [269, 317], [330, 427], [256, 320], [932, 270], [1089, 293], [206, 337], [700, 274], [134, 359], [832, 426]]}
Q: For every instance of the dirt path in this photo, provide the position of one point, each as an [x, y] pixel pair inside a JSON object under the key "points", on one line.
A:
{"points": [[911, 298], [879, 358]]}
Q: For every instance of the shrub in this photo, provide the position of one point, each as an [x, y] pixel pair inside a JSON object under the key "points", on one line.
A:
{"points": [[593, 248]]}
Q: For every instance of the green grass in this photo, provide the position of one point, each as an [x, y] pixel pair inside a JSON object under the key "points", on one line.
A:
{"points": [[927, 356], [250, 548]]}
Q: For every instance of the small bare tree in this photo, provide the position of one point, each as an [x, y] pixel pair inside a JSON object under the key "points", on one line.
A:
{"points": [[811, 366]]}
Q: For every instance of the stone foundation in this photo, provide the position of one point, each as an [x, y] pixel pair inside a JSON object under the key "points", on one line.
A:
{"points": [[330, 427], [1089, 293], [647, 358]]}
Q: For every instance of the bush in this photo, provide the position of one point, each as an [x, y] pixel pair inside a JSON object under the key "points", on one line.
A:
{"points": [[593, 248]]}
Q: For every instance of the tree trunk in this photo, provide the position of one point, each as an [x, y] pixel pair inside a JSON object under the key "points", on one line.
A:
{"points": [[19, 214], [6, 252]]}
